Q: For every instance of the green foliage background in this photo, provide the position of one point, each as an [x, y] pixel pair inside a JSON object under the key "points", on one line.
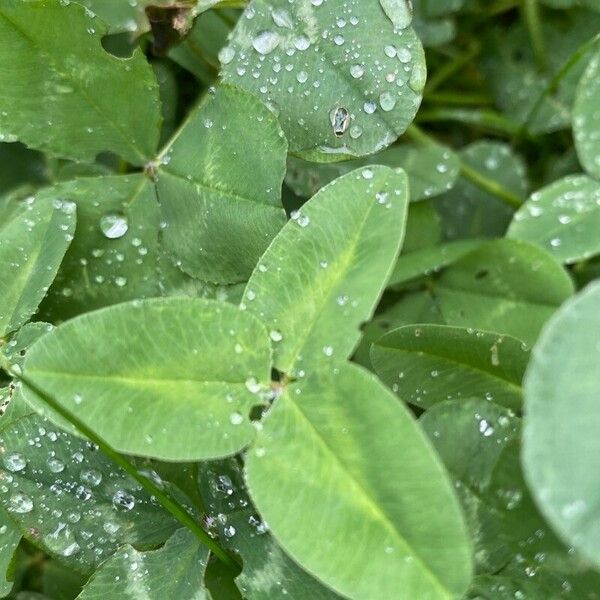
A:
{"points": [[299, 299]]}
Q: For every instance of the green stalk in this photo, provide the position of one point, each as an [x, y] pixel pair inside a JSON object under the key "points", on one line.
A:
{"points": [[172, 506], [531, 14], [555, 81], [485, 118], [450, 68], [459, 98], [475, 177]]}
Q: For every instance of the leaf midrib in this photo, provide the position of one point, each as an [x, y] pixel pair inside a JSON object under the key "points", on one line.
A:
{"points": [[124, 136], [377, 511], [141, 381]]}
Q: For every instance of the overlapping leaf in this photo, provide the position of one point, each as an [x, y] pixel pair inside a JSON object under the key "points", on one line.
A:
{"points": [[69, 499], [385, 514], [467, 210], [219, 191], [586, 118], [345, 78], [560, 450], [322, 276], [267, 571], [169, 378], [132, 574], [73, 106], [427, 364], [563, 218], [113, 256], [34, 236], [507, 286]]}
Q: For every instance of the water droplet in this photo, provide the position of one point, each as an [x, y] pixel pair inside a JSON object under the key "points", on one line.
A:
{"points": [[236, 418], [229, 531], [282, 18], [302, 43], [226, 55], [91, 477], [123, 500], [275, 335], [340, 120], [387, 101], [369, 107], [265, 42], [114, 225], [15, 462], [357, 71], [252, 385], [20, 503], [327, 350], [55, 465]]}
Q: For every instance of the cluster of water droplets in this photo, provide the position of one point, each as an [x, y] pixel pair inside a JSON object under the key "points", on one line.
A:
{"points": [[299, 56], [69, 497]]}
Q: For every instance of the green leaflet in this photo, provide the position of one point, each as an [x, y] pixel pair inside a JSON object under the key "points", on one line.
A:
{"points": [[429, 260], [469, 212], [168, 378], [113, 256], [560, 446], [10, 537], [316, 465], [478, 442], [133, 575], [34, 236], [563, 218], [586, 118], [323, 274], [507, 286], [427, 364], [220, 192], [75, 106], [69, 499], [431, 170], [267, 571], [334, 100]]}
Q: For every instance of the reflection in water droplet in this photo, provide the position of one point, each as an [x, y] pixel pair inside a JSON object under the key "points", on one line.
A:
{"points": [[265, 42], [20, 503], [15, 462], [340, 120], [114, 225], [122, 500]]}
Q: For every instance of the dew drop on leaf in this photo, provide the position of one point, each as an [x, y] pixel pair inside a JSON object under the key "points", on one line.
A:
{"points": [[20, 503], [265, 42], [114, 225], [123, 500], [15, 462]]}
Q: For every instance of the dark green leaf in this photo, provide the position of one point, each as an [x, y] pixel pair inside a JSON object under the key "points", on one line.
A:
{"points": [[427, 364], [219, 192], [75, 106]]}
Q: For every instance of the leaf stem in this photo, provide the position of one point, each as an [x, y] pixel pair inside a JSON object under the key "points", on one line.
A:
{"points": [[450, 68], [531, 15], [473, 175], [555, 81], [172, 506], [485, 118]]}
